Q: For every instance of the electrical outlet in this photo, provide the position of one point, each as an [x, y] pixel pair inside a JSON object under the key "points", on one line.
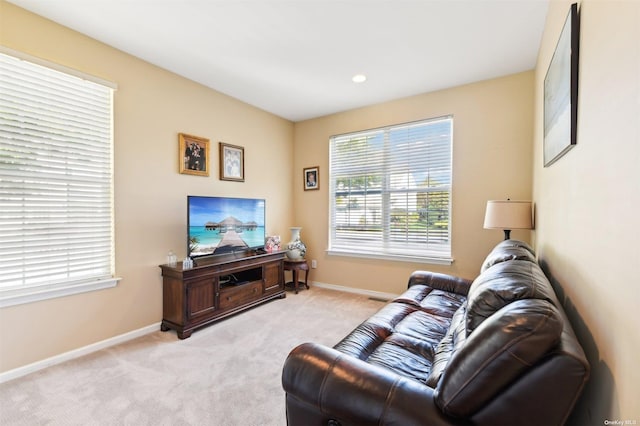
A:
{"points": [[314, 264]]}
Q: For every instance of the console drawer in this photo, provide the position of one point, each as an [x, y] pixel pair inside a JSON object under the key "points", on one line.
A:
{"points": [[231, 297]]}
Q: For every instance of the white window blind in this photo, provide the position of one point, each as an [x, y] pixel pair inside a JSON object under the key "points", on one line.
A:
{"points": [[56, 180], [390, 192]]}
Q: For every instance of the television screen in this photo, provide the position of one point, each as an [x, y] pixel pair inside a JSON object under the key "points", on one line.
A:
{"points": [[218, 225]]}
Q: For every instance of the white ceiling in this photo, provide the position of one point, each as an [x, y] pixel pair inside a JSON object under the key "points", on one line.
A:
{"points": [[295, 58]]}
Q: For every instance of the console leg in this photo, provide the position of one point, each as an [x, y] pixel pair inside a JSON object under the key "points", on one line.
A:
{"points": [[184, 334]]}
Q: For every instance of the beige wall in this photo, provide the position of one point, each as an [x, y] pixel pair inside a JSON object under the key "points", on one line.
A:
{"points": [[151, 107], [493, 124], [588, 247], [587, 233]]}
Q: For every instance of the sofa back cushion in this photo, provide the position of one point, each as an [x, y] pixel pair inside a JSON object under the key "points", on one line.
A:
{"points": [[508, 250], [501, 349], [452, 341], [503, 284]]}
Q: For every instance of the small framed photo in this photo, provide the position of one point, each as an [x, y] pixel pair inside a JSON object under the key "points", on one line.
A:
{"points": [[231, 162], [193, 152], [311, 177]]}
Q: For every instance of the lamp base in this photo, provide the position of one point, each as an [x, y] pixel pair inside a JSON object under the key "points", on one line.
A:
{"points": [[507, 234]]}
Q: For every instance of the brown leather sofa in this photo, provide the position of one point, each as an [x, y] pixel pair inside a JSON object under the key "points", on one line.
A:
{"points": [[495, 351]]}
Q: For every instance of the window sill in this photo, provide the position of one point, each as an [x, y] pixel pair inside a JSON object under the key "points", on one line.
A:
{"points": [[19, 296], [395, 257]]}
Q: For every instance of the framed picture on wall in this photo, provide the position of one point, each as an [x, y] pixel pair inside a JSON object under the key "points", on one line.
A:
{"points": [[561, 92], [311, 177], [231, 162], [193, 152]]}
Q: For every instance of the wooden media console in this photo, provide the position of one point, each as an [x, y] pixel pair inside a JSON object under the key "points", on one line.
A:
{"points": [[218, 286]]}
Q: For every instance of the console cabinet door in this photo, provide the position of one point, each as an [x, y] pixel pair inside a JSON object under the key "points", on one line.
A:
{"points": [[273, 277], [201, 297]]}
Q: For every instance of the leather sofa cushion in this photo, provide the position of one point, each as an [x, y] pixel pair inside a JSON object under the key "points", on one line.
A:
{"points": [[502, 348], [452, 341], [409, 354], [404, 334], [508, 250], [365, 338], [502, 284]]}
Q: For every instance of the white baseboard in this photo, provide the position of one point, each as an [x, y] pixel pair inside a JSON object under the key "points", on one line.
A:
{"points": [[76, 353], [369, 293]]}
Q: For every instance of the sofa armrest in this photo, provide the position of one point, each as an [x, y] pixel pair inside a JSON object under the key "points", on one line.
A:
{"points": [[323, 384], [438, 281]]}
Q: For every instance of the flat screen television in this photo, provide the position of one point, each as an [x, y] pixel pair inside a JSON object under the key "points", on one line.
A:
{"points": [[220, 225]]}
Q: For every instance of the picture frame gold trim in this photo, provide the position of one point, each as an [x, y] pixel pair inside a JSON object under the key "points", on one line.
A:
{"points": [[231, 162], [311, 178], [193, 155]]}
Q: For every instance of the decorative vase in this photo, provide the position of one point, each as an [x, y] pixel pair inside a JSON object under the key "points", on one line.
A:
{"points": [[296, 248]]}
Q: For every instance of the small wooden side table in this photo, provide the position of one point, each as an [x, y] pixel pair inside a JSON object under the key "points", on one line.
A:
{"points": [[295, 266]]}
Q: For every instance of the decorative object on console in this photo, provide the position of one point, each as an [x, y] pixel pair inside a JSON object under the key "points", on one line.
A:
{"points": [[231, 162], [508, 215], [561, 92], [193, 152], [172, 259], [272, 243], [296, 249], [311, 176]]}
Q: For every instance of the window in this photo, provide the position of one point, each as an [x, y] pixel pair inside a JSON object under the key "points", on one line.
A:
{"points": [[56, 180], [390, 192]]}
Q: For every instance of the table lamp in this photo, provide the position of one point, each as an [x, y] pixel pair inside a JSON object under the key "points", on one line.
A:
{"points": [[508, 215]]}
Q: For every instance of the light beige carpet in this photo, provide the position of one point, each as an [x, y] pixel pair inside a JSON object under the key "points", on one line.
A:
{"points": [[228, 373]]}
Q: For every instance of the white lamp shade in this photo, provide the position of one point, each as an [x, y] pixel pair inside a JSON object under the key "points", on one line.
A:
{"points": [[508, 214]]}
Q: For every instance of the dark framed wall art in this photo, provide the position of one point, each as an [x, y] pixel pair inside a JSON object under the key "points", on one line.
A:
{"points": [[231, 162], [561, 92], [193, 152], [311, 177]]}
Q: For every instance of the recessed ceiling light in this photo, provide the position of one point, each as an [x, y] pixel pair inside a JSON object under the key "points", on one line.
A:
{"points": [[359, 78]]}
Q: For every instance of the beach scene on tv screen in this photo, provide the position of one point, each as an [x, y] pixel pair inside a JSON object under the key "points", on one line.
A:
{"points": [[224, 225]]}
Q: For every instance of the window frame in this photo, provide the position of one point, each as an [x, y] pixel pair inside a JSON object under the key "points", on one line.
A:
{"points": [[18, 291], [385, 248]]}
